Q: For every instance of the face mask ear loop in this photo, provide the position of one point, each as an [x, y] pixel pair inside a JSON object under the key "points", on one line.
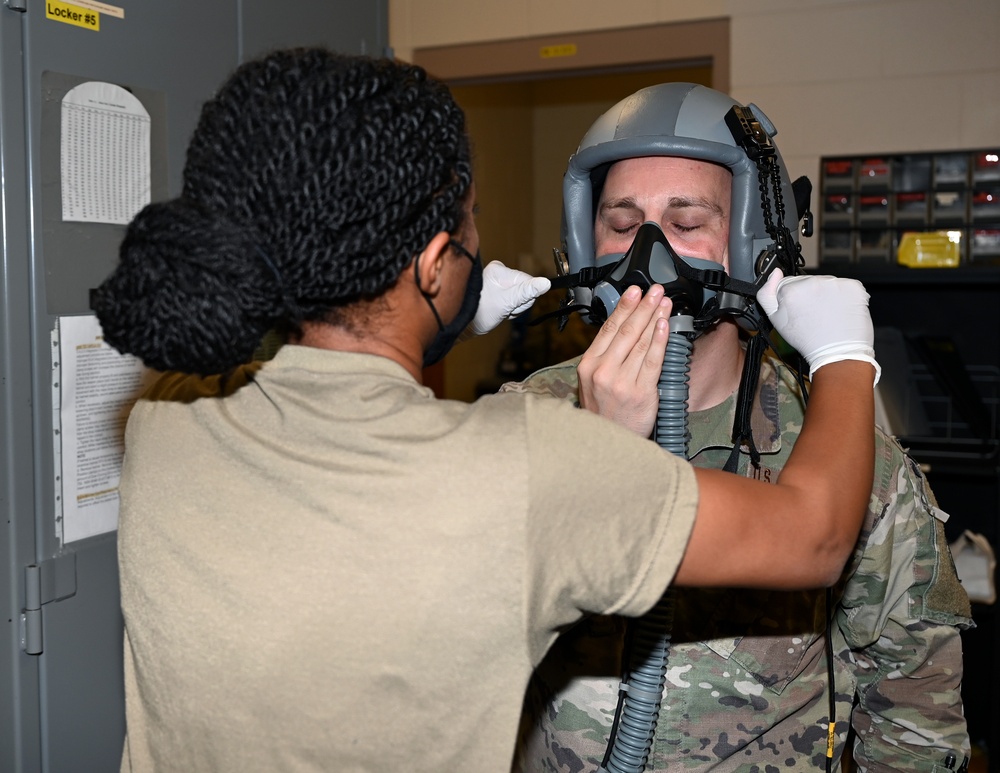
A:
{"points": [[416, 277], [457, 246]]}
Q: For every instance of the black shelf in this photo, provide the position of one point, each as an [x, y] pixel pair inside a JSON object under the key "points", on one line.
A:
{"points": [[955, 456], [902, 275]]}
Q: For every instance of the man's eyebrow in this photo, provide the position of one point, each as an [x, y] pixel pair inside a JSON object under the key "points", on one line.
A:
{"points": [[675, 202], [683, 202], [626, 202]]}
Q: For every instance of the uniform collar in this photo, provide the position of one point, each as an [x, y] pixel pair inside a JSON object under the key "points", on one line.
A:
{"points": [[713, 427]]}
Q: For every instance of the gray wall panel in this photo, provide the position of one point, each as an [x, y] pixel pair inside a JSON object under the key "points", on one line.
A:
{"points": [[350, 26]]}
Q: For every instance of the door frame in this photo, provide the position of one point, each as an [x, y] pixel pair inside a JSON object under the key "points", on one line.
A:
{"points": [[577, 53]]}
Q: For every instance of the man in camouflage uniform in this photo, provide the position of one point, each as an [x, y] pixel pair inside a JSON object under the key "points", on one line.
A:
{"points": [[747, 676], [747, 684]]}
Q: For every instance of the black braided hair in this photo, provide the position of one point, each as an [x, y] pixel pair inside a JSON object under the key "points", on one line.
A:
{"points": [[311, 181]]}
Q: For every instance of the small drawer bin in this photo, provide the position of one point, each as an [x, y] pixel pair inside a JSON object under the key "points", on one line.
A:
{"points": [[875, 245], [986, 203], [838, 208], [875, 174], [951, 170], [873, 209], [911, 173], [838, 174], [985, 245], [911, 208], [948, 207], [838, 245], [986, 167]]}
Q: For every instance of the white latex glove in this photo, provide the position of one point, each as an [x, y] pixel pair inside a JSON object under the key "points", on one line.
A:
{"points": [[506, 293], [825, 318]]}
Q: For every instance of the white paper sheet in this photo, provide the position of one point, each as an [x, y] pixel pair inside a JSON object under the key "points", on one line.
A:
{"points": [[97, 387], [105, 156]]}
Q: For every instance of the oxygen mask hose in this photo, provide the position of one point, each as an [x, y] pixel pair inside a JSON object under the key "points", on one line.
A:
{"points": [[641, 690], [671, 419]]}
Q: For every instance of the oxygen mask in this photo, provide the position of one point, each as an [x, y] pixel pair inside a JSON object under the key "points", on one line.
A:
{"points": [[651, 260]]}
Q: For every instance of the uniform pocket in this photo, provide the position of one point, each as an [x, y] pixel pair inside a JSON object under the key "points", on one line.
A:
{"points": [[768, 633]]}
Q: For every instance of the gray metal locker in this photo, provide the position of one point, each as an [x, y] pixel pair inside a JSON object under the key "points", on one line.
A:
{"points": [[61, 692]]}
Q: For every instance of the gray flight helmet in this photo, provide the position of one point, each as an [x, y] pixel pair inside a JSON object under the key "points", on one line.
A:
{"points": [[670, 119]]}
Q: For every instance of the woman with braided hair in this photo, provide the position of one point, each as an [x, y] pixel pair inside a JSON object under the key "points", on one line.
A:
{"points": [[324, 567]]}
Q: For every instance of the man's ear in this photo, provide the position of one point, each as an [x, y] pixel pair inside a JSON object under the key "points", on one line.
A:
{"points": [[429, 264]]}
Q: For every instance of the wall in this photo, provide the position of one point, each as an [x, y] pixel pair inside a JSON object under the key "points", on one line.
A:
{"points": [[835, 76]]}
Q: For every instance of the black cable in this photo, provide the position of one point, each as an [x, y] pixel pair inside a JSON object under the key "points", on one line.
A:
{"points": [[613, 733], [829, 610], [831, 691], [562, 311]]}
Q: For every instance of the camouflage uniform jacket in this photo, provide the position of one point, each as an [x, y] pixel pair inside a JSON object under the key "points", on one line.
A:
{"points": [[746, 686]]}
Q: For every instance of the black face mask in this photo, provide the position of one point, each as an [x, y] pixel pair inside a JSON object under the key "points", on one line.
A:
{"points": [[448, 334]]}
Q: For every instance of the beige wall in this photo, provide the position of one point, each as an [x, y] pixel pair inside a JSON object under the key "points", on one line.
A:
{"points": [[418, 23], [835, 76]]}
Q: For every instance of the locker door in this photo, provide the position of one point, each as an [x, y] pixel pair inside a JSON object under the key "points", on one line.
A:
{"points": [[61, 692], [69, 689]]}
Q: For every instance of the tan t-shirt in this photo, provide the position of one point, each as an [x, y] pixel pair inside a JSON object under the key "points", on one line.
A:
{"points": [[331, 570]]}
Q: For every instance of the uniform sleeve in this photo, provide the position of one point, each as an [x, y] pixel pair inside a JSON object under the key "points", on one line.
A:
{"points": [[902, 613], [186, 387], [614, 542], [558, 381], [909, 714]]}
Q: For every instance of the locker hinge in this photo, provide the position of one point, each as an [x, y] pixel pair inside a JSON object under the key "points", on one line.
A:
{"points": [[51, 580], [16, 5]]}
